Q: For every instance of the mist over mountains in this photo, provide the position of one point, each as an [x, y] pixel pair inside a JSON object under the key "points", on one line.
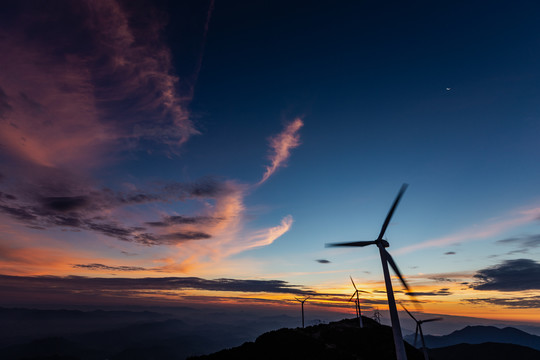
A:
{"points": [[179, 333]]}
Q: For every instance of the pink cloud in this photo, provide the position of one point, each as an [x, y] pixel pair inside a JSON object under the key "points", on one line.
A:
{"points": [[79, 85], [281, 146], [85, 82]]}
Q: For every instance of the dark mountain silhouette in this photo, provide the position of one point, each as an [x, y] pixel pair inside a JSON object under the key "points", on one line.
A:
{"points": [[482, 334], [340, 340], [491, 351]]}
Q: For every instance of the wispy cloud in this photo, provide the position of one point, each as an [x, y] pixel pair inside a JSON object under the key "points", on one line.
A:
{"points": [[480, 232], [281, 146], [440, 292], [525, 242], [94, 81], [101, 267], [82, 84], [95, 284], [518, 302], [265, 236]]}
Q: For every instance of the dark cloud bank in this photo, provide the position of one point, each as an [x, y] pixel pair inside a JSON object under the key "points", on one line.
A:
{"points": [[511, 275], [69, 206], [93, 284]]}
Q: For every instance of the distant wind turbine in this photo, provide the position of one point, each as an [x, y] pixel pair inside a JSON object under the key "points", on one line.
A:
{"points": [[387, 259], [419, 329], [302, 302], [377, 315], [357, 303]]}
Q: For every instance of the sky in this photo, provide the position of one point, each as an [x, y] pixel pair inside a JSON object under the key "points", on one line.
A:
{"points": [[172, 153]]}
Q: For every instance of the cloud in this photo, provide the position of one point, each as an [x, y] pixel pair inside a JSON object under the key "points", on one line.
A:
{"points": [[516, 218], [527, 302], [450, 253], [442, 279], [82, 84], [108, 268], [179, 220], [82, 77], [263, 237], [440, 292], [73, 204], [525, 242], [281, 146], [511, 275], [94, 285], [323, 261]]}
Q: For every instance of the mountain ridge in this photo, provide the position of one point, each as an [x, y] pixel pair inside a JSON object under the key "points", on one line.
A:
{"points": [[479, 334]]}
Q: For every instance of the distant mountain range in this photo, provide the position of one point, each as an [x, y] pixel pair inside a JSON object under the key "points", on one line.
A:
{"points": [[344, 340], [482, 334], [487, 351], [141, 335]]}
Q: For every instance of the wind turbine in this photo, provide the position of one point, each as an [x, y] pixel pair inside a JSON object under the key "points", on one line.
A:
{"points": [[357, 302], [377, 315], [387, 259], [419, 329], [302, 302]]}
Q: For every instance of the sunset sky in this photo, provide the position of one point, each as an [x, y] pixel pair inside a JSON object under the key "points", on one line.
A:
{"points": [[204, 152]]}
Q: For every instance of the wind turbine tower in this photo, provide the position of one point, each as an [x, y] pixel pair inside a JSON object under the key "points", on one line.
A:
{"points": [[357, 303], [386, 259], [302, 302], [419, 330]]}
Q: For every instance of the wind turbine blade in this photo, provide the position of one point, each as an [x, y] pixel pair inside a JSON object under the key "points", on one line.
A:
{"points": [[429, 320], [392, 209], [396, 270], [354, 243], [411, 315], [353, 284], [416, 335], [352, 296]]}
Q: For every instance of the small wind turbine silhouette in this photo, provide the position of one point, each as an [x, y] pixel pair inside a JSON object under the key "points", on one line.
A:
{"points": [[302, 302], [377, 315], [387, 259], [357, 303], [419, 329]]}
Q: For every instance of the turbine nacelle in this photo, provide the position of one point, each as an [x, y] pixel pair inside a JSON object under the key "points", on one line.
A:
{"points": [[384, 243]]}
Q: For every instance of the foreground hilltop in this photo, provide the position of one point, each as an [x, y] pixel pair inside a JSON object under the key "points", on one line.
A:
{"points": [[341, 340]]}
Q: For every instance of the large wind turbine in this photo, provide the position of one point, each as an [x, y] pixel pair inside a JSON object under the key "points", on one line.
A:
{"points": [[302, 302], [357, 301], [387, 259], [419, 329]]}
